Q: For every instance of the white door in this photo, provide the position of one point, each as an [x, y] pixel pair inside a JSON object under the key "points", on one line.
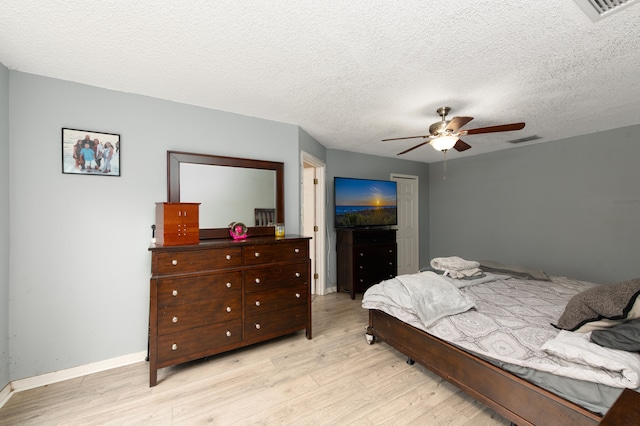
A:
{"points": [[313, 218], [407, 235]]}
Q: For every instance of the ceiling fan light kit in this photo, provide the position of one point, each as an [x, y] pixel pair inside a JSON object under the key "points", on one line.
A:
{"points": [[444, 143], [445, 134]]}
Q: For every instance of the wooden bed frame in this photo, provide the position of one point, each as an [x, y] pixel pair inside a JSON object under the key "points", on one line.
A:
{"points": [[517, 400]]}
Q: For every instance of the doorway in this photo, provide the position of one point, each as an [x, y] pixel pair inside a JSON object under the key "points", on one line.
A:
{"points": [[313, 218], [407, 236]]}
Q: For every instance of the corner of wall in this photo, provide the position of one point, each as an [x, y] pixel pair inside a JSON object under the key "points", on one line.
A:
{"points": [[4, 228]]}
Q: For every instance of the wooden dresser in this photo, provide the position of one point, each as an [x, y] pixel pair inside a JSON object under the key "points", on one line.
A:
{"points": [[365, 257], [220, 295]]}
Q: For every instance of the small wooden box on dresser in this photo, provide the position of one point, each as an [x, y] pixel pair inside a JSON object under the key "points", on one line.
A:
{"points": [[222, 294], [365, 257], [177, 223]]}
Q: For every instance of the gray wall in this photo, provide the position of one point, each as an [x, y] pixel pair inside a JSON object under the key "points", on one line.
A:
{"points": [[570, 207], [4, 226], [311, 146], [80, 265], [350, 164]]}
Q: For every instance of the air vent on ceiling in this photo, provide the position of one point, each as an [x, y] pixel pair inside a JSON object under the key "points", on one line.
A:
{"points": [[527, 139], [598, 9]]}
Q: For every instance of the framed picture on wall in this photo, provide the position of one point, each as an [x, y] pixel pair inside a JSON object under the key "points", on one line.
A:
{"points": [[87, 152]]}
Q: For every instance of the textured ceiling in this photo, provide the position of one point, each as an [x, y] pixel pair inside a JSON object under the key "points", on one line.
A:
{"points": [[349, 73]]}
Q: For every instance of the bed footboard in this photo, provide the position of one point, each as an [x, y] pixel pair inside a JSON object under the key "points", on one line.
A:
{"points": [[517, 400]]}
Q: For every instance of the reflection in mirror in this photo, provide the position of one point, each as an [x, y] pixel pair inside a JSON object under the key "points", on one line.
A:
{"points": [[229, 189], [234, 197]]}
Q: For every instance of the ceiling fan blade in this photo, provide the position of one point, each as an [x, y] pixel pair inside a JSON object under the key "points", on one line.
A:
{"points": [[461, 146], [414, 147], [407, 137], [456, 123], [492, 129]]}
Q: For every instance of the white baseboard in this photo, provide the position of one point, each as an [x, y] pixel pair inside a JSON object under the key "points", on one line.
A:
{"points": [[5, 394], [71, 373]]}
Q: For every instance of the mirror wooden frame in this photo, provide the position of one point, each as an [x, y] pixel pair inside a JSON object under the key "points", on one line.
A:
{"points": [[176, 158]]}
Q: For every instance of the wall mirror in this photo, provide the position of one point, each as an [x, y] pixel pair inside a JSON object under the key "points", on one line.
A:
{"points": [[229, 190]]}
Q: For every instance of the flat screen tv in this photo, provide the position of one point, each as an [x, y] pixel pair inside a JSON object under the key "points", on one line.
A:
{"points": [[363, 203]]}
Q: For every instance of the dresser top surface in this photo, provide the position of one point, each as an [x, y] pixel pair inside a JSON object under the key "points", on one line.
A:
{"points": [[228, 242]]}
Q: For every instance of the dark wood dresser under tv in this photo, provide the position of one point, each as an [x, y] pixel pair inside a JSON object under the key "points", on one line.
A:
{"points": [[364, 258], [222, 294]]}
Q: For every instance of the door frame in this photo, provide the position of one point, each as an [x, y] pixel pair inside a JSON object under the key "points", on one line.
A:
{"points": [[318, 262]]}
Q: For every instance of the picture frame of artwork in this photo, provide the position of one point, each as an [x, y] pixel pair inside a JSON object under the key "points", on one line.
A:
{"points": [[87, 152]]}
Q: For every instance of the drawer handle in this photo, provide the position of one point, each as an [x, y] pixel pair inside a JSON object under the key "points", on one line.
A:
{"points": [[361, 254], [390, 263], [174, 320], [257, 303], [174, 293], [361, 280], [296, 250], [174, 262], [297, 274], [257, 326], [298, 295], [228, 308], [257, 280], [361, 267], [228, 285], [256, 254], [228, 333], [174, 347], [228, 257]]}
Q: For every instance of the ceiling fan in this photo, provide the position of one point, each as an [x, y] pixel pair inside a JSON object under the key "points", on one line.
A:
{"points": [[444, 135]]}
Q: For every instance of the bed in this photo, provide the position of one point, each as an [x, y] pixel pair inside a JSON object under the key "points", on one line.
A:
{"points": [[522, 374]]}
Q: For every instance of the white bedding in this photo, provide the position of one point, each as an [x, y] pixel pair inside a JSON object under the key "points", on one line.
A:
{"points": [[577, 348], [511, 322], [427, 302]]}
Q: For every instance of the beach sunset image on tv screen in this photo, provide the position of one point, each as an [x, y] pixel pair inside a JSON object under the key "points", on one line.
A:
{"points": [[364, 202]]}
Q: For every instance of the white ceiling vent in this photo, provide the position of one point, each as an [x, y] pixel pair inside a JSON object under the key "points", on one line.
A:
{"points": [[598, 9]]}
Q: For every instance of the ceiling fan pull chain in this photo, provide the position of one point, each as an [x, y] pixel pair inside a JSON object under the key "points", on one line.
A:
{"points": [[444, 175]]}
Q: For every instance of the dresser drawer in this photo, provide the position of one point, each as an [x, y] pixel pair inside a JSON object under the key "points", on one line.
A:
{"points": [[197, 342], [275, 323], [271, 277], [278, 252], [178, 291], [177, 262], [277, 298], [382, 266], [374, 252], [183, 317]]}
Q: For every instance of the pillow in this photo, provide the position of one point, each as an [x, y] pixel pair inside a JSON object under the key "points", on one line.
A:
{"points": [[515, 271], [624, 337], [603, 306]]}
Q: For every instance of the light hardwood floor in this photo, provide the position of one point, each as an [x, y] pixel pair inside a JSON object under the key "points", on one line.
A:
{"points": [[334, 379]]}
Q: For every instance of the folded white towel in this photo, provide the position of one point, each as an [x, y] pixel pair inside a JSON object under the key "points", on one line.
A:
{"points": [[453, 262], [456, 267]]}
